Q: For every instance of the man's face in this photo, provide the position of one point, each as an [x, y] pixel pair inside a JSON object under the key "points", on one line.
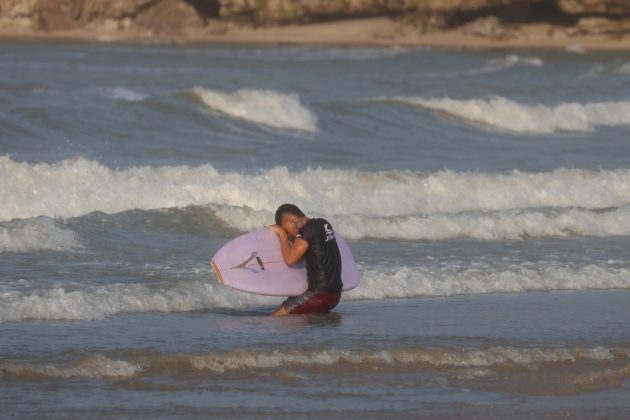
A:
{"points": [[292, 224]]}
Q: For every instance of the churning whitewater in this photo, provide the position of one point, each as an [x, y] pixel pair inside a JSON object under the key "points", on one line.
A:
{"points": [[382, 281], [406, 205]]}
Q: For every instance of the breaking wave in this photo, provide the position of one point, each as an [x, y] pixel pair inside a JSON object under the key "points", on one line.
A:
{"points": [[377, 282], [491, 225], [38, 234], [265, 107], [78, 186], [391, 204], [504, 114]]}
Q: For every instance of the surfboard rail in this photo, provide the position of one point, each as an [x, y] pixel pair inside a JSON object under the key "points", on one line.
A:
{"points": [[216, 270]]}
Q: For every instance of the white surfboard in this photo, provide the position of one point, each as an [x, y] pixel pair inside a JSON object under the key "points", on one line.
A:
{"points": [[253, 263]]}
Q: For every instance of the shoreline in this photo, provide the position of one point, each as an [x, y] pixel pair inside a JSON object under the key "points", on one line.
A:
{"points": [[368, 32]]}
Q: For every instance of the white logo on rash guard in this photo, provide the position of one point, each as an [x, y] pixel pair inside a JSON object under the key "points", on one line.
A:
{"points": [[329, 232]]}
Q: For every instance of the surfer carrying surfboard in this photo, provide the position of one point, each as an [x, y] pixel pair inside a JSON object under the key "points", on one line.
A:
{"points": [[314, 240]]}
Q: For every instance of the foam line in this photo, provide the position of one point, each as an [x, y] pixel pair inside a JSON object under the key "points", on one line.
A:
{"points": [[100, 302], [377, 282], [496, 357], [96, 366]]}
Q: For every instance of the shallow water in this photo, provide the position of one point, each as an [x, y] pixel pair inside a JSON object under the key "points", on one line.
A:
{"points": [[485, 196]]}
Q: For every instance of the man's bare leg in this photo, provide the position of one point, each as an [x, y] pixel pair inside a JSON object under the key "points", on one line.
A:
{"points": [[281, 311]]}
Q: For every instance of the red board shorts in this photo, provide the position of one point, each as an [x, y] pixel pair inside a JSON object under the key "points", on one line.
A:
{"points": [[311, 302]]}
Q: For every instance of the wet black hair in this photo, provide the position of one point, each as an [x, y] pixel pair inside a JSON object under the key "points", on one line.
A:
{"points": [[287, 208]]}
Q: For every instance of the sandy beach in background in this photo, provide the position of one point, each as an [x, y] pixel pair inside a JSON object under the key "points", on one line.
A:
{"points": [[376, 32]]}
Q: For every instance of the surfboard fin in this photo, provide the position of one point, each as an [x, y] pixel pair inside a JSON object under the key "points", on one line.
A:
{"points": [[244, 263]]}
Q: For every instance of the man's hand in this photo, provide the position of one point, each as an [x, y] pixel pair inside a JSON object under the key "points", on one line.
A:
{"points": [[279, 230], [291, 252]]}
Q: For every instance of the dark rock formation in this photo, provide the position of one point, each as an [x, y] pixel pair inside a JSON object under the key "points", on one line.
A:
{"points": [[600, 25], [493, 18], [157, 16], [611, 8], [273, 12], [490, 27]]}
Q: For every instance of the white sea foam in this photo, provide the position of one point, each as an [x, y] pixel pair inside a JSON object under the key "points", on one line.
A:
{"points": [[508, 61], [266, 107], [504, 114], [392, 204], [37, 235], [377, 282], [125, 94]]}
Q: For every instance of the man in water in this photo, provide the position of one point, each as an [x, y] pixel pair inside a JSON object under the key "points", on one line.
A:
{"points": [[313, 240]]}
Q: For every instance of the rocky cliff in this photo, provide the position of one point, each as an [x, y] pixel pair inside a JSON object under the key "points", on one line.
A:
{"points": [[595, 7], [174, 17]]}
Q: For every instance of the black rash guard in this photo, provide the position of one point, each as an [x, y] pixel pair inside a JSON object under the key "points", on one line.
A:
{"points": [[323, 261]]}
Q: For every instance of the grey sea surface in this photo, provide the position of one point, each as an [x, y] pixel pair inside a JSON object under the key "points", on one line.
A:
{"points": [[485, 196]]}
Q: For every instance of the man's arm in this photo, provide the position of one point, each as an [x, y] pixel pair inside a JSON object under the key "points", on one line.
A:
{"points": [[291, 253]]}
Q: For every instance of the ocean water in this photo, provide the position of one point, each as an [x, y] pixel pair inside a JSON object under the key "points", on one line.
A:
{"points": [[485, 195]]}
